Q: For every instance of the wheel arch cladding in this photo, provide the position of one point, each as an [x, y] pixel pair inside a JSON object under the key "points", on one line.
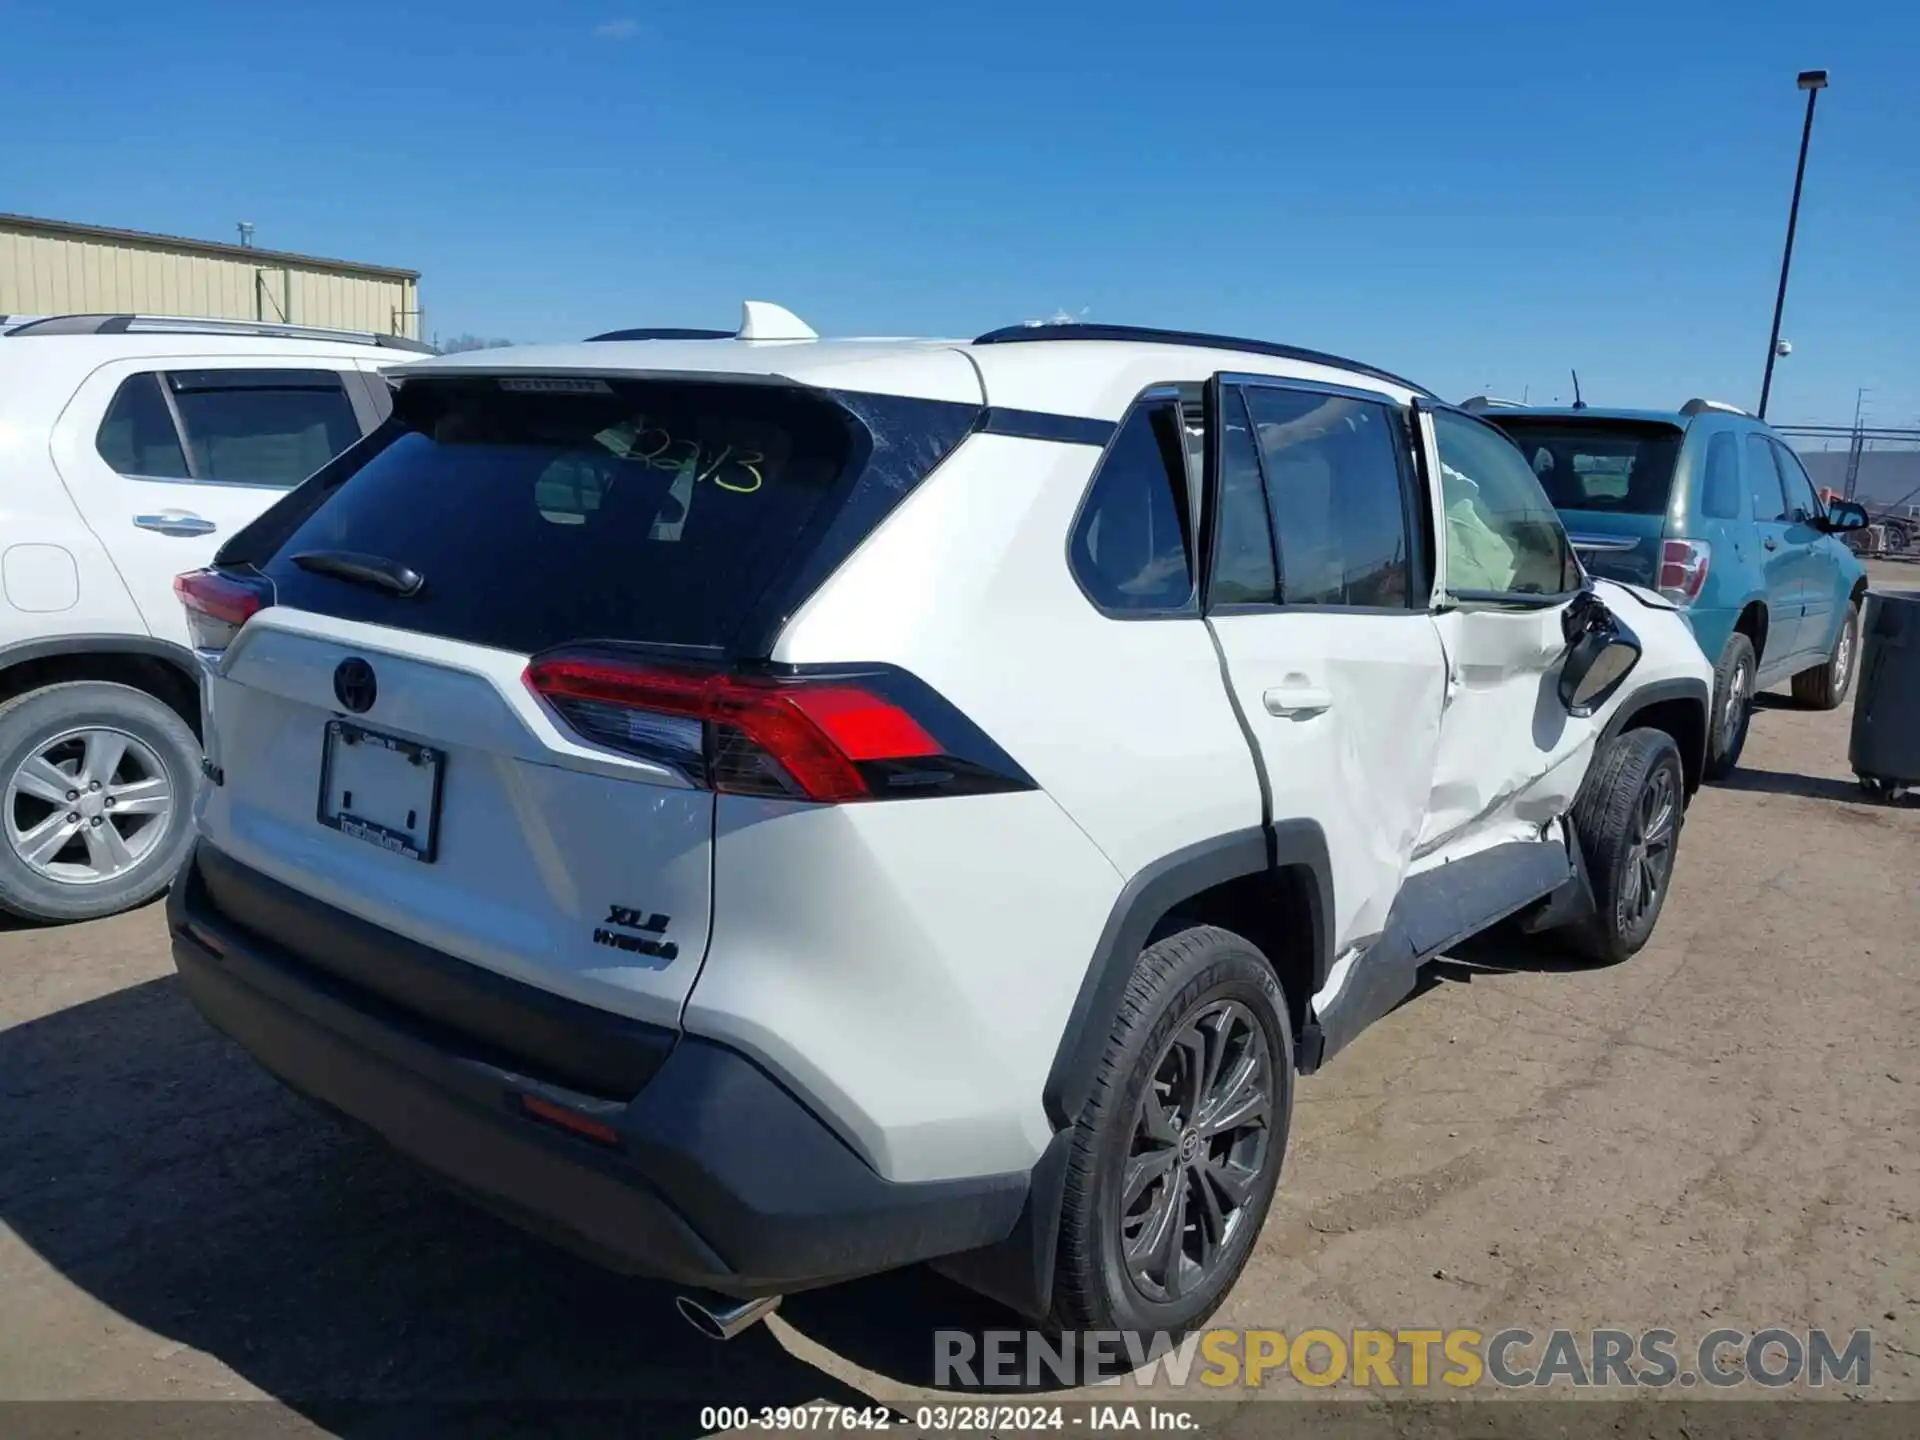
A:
{"points": [[1189, 886], [1273, 883], [168, 672], [1752, 623], [1679, 707]]}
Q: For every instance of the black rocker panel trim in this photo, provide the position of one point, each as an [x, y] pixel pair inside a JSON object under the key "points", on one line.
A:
{"points": [[1434, 911]]}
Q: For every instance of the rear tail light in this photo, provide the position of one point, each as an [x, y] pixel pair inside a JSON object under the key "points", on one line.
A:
{"points": [[870, 733], [218, 604], [1683, 569]]}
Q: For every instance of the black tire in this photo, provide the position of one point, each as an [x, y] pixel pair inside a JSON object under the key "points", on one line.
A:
{"points": [[1733, 691], [1825, 686], [162, 742], [1633, 776], [1197, 979]]}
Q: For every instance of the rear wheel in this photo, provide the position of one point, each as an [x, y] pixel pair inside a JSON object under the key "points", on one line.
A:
{"points": [[1733, 689], [1825, 686], [1628, 819], [96, 785], [1176, 1156]]}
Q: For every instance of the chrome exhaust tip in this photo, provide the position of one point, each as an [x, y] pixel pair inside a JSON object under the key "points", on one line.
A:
{"points": [[719, 1318]]}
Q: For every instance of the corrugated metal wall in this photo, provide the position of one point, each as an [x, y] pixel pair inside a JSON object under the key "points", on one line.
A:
{"points": [[54, 274]]}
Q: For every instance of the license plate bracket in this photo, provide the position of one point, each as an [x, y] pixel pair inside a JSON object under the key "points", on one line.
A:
{"points": [[381, 789]]}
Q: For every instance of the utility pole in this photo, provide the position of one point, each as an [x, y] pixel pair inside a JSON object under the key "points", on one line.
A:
{"points": [[1858, 445], [1813, 82]]}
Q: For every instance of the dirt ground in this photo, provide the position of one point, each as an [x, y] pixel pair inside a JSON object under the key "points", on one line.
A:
{"points": [[1723, 1131]]}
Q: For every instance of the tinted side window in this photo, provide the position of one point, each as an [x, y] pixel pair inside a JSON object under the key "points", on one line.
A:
{"points": [[263, 427], [1802, 502], [1763, 480], [1720, 478], [137, 436], [1335, 481], [1243, 571], [1130, 546], [1503, 534]]}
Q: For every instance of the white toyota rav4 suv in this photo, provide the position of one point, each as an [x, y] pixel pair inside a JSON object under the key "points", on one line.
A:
{"points": [[130, 447], [767, 810]]}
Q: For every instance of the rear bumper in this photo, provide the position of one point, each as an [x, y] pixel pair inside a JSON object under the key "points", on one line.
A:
{"points": [[712, 1175]]}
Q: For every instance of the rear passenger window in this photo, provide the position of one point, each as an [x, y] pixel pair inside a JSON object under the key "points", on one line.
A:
{"points": [[1336, 483], [1243, 572], [263, 427], [137, 436], [1763, 480], [1720, 480], [1130, 547]]}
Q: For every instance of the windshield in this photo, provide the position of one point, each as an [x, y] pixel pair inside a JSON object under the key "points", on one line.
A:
{"points": [[1618, 466]]}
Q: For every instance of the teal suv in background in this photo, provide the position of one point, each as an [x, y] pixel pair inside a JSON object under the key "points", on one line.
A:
{"points": [[1708, 506]]}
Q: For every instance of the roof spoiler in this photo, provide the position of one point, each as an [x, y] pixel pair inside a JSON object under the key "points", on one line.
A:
{"points": [[1698, 406], [759, 320], [1479, 404]]}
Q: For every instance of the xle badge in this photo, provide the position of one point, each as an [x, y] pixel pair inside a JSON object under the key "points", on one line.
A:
{"points": [[619, 918]]}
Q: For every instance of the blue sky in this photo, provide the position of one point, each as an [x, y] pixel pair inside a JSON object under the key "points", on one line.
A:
{"points": [[1475, 194]]}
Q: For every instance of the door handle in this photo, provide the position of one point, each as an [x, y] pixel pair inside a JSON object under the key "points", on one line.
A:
{"points": [[1297, 702], [176, 522]]}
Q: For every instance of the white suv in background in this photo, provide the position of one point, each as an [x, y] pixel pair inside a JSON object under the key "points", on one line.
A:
{"points": [[130, 447], [829, 805]]}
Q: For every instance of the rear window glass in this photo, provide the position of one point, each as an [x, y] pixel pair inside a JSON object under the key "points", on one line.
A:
{"points": [[539, 515], [1623, 468]]}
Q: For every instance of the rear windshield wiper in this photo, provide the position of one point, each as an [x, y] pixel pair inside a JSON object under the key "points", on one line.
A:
{"points": [[376, 572]]}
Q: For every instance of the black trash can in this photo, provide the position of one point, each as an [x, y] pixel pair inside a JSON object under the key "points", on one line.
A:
{"points": [[1885, 748]]}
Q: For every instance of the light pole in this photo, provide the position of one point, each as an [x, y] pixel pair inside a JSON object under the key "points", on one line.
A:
{"points": [[1813, 82]]}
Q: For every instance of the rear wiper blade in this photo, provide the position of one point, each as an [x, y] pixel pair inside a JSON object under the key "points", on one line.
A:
{"points": [[376, 572]]}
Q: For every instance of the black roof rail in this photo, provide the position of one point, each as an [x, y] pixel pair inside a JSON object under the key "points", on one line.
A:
{"points": [[1141, 334], [666, 332], [199, 325]]}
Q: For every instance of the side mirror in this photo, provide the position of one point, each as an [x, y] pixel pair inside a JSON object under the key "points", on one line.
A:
{"points": [[1844, 515], [1601, 656]]}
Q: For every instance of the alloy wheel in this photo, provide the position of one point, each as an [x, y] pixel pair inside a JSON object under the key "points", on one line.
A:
{"points": [[1200, 1145], [1843, 657], [1733, 714], [87, 805], [1656, 819]]}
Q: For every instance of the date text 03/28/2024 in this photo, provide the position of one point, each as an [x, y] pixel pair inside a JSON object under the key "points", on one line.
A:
{"points": [[936, 1419]]}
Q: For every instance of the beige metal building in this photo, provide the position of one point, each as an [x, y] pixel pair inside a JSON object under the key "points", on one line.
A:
{"points": [[55, 267]]}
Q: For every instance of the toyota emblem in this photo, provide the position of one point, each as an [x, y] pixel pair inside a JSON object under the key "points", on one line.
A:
{"points": [[353, 682]]}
